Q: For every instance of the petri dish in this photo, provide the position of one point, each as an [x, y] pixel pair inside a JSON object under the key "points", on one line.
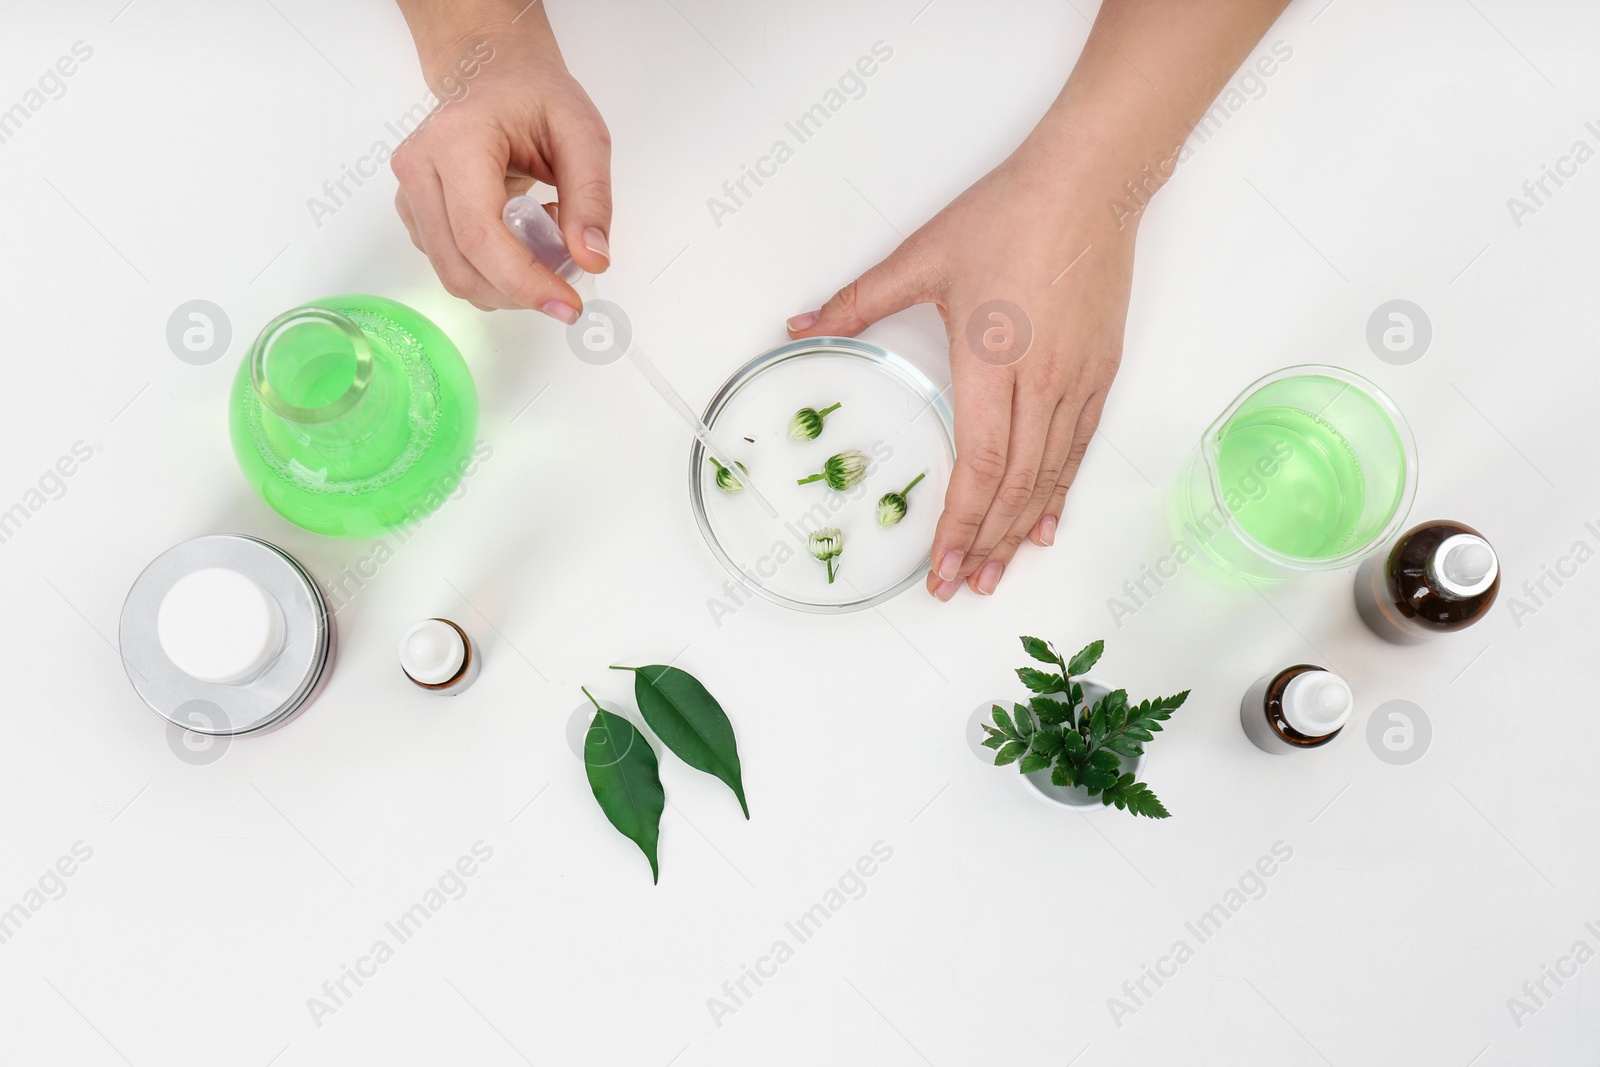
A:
{"points": [[888, 410]]}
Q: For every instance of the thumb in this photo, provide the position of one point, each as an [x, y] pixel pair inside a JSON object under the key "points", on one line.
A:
{"points": [[582, 171], [893, 285]]}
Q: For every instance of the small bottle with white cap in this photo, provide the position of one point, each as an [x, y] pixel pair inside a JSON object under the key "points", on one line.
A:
{"points": [[1439, 577], [1299, 707], [439, 657]]}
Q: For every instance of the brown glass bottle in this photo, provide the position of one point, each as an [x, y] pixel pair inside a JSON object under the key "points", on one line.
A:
{"points": [[1322, 706], [1420, 588]]}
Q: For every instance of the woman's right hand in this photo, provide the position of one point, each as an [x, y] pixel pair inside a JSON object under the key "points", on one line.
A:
{"points": [[511, 114]]}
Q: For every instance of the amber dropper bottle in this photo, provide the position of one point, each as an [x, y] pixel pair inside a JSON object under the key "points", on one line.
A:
{"points": [[1439, 577], [1300, 707]]}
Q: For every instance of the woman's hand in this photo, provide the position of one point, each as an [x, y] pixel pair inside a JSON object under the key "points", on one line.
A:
{"points": [[518, 116], [1050, 233], [1031, 273]]}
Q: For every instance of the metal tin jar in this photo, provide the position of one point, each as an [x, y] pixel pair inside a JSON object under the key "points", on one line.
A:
{"points": [[287, 680]]}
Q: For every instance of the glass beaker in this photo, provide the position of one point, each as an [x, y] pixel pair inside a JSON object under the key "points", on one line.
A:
{"points": [[353, 415], [1310, 468]]}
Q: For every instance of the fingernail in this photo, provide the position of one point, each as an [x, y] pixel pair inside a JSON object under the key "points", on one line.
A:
{"points": [[950, 566], [1047, 530], [989, 577], [804, 322], [562, 311], [595, 241], [945, 590]]}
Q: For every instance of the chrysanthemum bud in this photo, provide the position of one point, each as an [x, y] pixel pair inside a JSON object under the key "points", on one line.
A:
{"points": [[727, 481], [826, 544], [843, 471], [892, 506], [807, 422]]}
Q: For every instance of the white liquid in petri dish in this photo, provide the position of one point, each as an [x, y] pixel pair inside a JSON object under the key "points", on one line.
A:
{"points": [[889, 412]]}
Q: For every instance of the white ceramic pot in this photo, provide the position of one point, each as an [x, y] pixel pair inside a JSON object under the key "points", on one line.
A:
{"points": [[1039, 784]]}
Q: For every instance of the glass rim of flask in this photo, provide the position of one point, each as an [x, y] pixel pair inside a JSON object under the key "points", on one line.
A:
{"points": [[261, 352]]}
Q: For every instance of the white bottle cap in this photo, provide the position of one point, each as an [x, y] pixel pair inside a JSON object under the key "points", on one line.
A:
{"points": [[218, 625], [1317, 703], [1463, 565], [432, 652]]}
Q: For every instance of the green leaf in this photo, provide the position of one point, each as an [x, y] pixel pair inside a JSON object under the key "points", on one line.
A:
{"points": [[1010, 752], [690, 722], [625, 780], [995, 739], [1041, 681], [1123, 746], [1094, 779], [1129, 795], [1039, 650], [1064, 774], [1086, 658], [1047, 740], [1172, 703], [1023, 720], [1003, 721], [1051, 712], [1145, 719], [1105, 760], [1072, 744], [1033, 761]]}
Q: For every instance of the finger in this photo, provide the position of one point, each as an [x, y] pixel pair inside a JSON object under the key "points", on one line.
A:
{"points": [[474, 194], [983, 433], [581, 161], [1031, 416], [424, 195], [403, 208], [518, 184], [1044, 531], [903, 279], [1053, 456]]}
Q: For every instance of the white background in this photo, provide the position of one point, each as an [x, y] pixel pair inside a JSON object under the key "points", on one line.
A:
{"points": [[220, 897]]}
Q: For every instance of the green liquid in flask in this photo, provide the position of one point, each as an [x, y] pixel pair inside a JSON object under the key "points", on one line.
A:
{"points": [[353, 416], [1291, 480]]}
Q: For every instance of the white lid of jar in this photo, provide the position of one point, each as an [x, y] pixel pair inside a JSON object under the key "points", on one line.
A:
{"points": [[1463, 565], [432, 652], [1316, 703], [218, 625]]}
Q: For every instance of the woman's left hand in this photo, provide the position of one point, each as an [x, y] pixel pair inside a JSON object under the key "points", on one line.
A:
{"points": [[1031, 273]]}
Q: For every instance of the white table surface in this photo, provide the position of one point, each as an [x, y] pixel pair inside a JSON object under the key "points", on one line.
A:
{"points": [[220, 897]]}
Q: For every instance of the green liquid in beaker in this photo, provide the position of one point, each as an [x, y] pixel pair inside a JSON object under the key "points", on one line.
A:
{"points": [[1291, 480]]}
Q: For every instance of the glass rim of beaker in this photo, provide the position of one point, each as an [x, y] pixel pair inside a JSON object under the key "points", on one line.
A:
{"points": [[1403, 434], [333, 409]]}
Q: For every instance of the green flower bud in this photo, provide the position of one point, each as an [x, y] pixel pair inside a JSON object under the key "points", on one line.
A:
{"points": [[727, 481], [807, 423], [892, 506], [843, 471], [826, 544]]}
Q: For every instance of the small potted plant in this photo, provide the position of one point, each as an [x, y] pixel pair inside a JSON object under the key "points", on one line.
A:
{"points": [[1076, 742]]}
